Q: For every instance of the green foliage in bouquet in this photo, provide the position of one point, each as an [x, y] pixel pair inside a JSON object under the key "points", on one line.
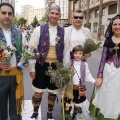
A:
{"points": [[90, 46], [61, 76]]}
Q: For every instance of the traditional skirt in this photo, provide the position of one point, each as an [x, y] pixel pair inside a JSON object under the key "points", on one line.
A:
{"points": [[105, 102]]}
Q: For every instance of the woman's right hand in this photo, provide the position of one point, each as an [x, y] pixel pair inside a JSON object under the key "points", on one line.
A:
{"points": [[32, 75], [98, 82]]}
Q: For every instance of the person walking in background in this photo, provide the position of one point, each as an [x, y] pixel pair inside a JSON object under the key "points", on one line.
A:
{"points": [[51, 41], [77, 85], [77, 32], [105, 104], [24, 41], [11, 83]]}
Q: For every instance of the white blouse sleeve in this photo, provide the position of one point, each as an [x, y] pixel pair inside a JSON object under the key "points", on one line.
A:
{"points": [[34, 40], [88, 77]]}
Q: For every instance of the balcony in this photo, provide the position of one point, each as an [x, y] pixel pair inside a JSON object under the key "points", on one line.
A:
{"points": [[96, 3]]}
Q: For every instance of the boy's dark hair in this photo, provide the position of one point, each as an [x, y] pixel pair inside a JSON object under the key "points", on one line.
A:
{"points": [[7, 4], [77, 48]]}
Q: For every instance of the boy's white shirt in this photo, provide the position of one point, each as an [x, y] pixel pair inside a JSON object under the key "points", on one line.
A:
{"points": [[88, 75], [35, 37]]}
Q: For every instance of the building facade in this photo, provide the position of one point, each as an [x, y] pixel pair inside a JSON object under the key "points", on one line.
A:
{"points": [[38, 12], [64, 10], [48, 4], [109, 11]]}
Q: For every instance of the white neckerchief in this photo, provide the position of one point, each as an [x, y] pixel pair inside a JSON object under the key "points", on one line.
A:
{"points": [[53, 35]]}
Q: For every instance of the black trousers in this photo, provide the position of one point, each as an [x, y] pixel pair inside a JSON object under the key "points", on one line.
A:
{"points": [[8, 86], [42, 81]]}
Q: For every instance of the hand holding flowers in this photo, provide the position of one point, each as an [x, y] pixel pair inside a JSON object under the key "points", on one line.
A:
{"points": [[61, 76], [5, 55], [29, 52]]}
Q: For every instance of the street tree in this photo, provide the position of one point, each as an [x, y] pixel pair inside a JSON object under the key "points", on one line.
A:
{"points": [[44, 19], [80, 4], [88, 14], [118, 7], [100, 20], [15, 21], [74, 2], [22, 21], [35, 22]]}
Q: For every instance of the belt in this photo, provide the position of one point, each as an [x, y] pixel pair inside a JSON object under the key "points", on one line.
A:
{"points": [[50, 63], [75, 87]]}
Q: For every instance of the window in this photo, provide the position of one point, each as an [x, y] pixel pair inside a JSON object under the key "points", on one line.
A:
{"points": [[96, 13], [95, 27], [112, 9], [104, 9], [90, 14]]}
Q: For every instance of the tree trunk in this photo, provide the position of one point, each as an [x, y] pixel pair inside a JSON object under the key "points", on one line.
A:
{"points": [[80, 4], [69, 11], [87, 15], [100, 20], [118, 6], [73, 6]]}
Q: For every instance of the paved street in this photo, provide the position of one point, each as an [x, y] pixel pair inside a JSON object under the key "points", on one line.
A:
{"points": [[93, 62]]}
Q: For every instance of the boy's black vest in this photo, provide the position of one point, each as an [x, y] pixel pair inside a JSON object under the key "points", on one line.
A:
{"points": [[44, 43]]}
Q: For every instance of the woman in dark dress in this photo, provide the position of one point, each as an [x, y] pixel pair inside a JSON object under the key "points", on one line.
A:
{"points": [[105, 102]]}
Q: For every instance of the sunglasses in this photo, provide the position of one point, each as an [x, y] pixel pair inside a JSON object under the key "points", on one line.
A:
{"points": [[4, 13], [76, 17]]}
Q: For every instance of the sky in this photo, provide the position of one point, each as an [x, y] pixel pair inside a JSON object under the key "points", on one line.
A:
{"points": [[35, 3]]}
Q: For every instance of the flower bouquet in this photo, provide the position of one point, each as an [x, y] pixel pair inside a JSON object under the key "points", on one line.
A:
{"points": [[61, 76], [29, 52], [90, 46], [6, 53]]}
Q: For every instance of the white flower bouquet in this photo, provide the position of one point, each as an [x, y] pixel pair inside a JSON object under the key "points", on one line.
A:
{"points": [[29, 52]]}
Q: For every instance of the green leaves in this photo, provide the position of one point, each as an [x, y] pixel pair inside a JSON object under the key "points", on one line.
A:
{"points": [[61, 76], [90, 46]]}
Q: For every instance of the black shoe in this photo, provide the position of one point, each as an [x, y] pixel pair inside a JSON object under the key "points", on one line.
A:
{"points": [[49, 116], [73, 117]]}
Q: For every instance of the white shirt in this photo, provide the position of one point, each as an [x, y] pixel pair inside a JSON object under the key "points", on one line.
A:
{"points": [[35, 37], [24, 41], [7, 34], [77, 38], [88, 75]]}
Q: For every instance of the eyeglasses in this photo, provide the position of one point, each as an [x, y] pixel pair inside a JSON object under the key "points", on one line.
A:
{"points": [[76, 17], [4, 13]]}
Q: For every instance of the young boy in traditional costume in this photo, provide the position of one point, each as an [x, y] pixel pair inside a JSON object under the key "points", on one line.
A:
{"points": [[75, 91]]}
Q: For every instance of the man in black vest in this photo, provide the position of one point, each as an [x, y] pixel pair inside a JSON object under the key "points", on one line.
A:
{"points": [[52, 43]]}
